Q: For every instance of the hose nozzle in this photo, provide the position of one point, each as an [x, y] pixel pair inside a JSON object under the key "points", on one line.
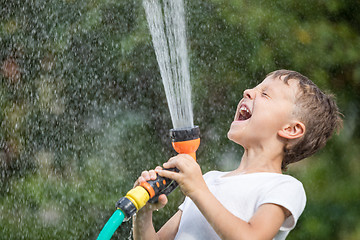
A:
{"points": [[186, 140]]}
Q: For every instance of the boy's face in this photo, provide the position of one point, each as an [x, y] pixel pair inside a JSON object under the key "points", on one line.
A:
{"points": [[263, 111]]}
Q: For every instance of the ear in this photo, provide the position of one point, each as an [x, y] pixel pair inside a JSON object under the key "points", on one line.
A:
{"points": [[292, 131]]}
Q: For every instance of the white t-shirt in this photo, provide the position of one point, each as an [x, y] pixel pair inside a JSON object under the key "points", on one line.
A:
{"points": [[242, 195]]}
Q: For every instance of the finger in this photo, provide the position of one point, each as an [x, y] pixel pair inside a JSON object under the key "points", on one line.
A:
{"points": [[163, 199], [152, 174], [145, 175], [171, 163], [178, 161], [169, 174], [173, 159], [141, 179], [158, 168]]}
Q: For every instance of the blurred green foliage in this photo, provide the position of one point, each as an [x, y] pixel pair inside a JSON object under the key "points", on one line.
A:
{"points": [[83, 110]]}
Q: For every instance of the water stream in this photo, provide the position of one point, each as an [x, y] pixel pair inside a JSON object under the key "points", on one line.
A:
{"points": [[166, 20]]}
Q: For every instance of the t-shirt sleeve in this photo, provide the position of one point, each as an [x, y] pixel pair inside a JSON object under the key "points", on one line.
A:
{"points": [[289, 194], [181, 207]]}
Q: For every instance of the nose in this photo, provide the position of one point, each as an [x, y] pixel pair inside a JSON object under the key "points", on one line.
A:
{"points": [[249, 93]]}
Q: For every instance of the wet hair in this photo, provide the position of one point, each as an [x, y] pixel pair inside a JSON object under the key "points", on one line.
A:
{"points": [[316, 110]]}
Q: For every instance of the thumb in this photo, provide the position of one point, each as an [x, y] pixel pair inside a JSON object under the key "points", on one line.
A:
{"points": [[162, 201]]}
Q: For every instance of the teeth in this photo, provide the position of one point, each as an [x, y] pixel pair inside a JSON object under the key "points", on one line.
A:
{"points": [[243, 108], [244, 113]]}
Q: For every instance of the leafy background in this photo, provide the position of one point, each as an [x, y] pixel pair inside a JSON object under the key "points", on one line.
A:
{"points": [[83, 110]]}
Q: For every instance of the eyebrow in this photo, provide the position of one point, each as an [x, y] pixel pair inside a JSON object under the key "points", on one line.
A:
{"points": [[266, 89]]}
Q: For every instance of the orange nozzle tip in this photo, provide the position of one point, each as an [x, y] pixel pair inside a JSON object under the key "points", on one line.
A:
{"points": [[187, 147]]}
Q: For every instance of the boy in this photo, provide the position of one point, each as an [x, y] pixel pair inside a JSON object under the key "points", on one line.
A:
{"points": [[282, 120]]}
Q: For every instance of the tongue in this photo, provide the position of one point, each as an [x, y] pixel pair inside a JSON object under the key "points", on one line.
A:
{"points": [[244, 115]]}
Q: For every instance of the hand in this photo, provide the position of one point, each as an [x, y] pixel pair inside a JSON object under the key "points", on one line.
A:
{"points": [[189, 178], [151, 175]]}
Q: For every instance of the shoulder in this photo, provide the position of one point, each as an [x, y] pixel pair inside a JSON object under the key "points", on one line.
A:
{"points": [[213, 175], [284, 178], [287, 181], [268, 181], [285, 184]]}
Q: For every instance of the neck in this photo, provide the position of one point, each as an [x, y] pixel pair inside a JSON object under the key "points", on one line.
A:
{"points": [[260, 160]]}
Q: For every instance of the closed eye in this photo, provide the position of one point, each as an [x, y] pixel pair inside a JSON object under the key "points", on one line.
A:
{"points": [[265, 94]]}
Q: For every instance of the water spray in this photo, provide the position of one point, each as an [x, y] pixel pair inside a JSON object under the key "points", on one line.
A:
{"points": [[166, 21]]}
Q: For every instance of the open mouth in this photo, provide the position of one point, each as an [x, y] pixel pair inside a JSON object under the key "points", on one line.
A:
{"points": [[244, 113]]}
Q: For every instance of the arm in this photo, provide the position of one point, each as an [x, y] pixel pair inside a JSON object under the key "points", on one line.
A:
{"points": [[143, 228], [265, 223], [170, 228]]}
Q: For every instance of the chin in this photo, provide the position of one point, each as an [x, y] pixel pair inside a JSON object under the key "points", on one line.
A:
{"points": [[236, 135], [233, 136], [235, 130], [229, 135]]}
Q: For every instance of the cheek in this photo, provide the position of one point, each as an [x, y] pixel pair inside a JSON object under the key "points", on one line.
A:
{"points": [[266, 122], [274, 117]]}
